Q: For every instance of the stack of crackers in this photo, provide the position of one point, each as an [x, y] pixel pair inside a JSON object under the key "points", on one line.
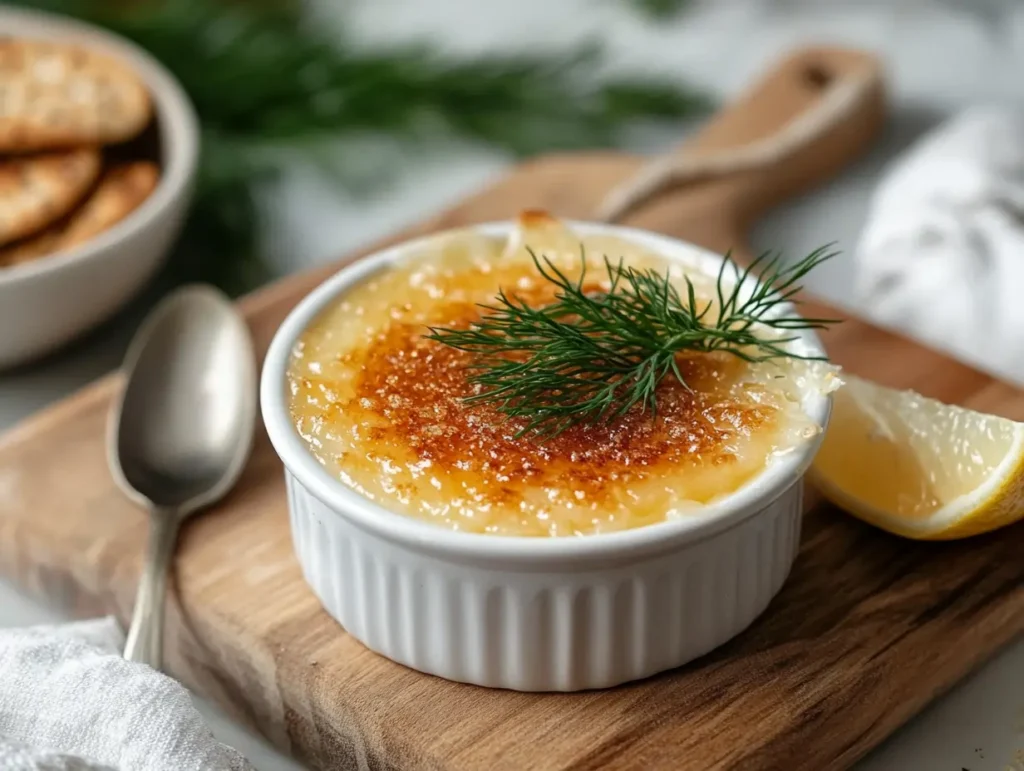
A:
{"points": [[69, 117]]}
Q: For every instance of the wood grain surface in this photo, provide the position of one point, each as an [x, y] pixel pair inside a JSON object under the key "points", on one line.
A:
{"points": [[868, 629]]}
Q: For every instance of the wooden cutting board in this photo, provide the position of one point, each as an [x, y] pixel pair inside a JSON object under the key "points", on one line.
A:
{"points": [[868, 629]]}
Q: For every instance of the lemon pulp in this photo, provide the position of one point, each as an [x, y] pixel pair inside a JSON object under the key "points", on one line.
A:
{"points": [[917, 467]]}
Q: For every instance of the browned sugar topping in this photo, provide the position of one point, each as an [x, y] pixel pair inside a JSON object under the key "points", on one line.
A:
{"points": [[410, 389]]}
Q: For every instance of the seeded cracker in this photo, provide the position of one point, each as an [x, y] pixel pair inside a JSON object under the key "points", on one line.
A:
{"points": [[120, 191], [61, 95], [40, 189]]}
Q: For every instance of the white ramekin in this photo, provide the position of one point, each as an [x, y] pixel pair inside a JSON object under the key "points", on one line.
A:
{"points": [[534, 614], [47, 302]]}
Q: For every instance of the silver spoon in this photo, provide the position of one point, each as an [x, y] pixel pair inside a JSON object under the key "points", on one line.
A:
{"points": [[180, 434]]}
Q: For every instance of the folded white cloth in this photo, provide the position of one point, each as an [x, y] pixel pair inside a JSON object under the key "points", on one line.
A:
{"points": [[942, 254], [70, 702]]}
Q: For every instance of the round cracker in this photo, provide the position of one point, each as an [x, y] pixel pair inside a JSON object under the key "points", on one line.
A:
{"points": [[121, 190], [37, 190], [60, 94]]}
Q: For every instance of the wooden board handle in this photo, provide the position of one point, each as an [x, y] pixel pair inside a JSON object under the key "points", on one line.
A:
{"points": [[812, 114]]}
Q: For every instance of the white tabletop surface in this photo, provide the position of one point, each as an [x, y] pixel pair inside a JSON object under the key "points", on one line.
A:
{"points": [[980, 724]]}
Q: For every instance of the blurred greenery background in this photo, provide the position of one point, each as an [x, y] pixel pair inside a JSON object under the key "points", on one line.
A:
{"points": [[272, 87]]}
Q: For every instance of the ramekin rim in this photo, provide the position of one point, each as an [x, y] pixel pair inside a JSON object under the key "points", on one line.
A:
{"points": [[179, 132], [748, 501]]}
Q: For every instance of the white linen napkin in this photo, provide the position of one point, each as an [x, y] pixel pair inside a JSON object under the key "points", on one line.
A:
{"points": [[942, 253], [70, 702]]}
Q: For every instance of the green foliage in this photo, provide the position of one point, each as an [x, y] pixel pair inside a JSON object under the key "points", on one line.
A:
{"points": [[263, 79], [660, 9]]}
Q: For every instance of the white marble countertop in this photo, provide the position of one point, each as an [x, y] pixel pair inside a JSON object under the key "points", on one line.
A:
{"points": [[980, 724]]}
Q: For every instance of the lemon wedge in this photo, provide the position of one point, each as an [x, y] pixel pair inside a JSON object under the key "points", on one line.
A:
{"points": [[917, 467]]}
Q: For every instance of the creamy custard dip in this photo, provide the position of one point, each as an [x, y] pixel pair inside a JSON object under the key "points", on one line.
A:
{"points": [[381, 407]]}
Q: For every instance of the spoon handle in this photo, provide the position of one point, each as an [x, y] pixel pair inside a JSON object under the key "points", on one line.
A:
{"points": [[146, 632]]}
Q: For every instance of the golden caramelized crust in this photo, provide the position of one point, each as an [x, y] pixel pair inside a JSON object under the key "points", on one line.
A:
{"points": [[411, 392], [382, 407]]}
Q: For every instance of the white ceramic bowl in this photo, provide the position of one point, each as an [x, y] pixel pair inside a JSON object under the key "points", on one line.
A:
{"points": [[47, 302], [536, 614]]}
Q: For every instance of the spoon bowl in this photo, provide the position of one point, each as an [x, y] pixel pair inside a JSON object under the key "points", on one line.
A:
{"points": [[187, 413], [181, 432]]}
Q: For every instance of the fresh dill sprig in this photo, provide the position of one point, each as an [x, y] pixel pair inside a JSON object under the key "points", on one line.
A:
{"points": [[592, 356]]}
